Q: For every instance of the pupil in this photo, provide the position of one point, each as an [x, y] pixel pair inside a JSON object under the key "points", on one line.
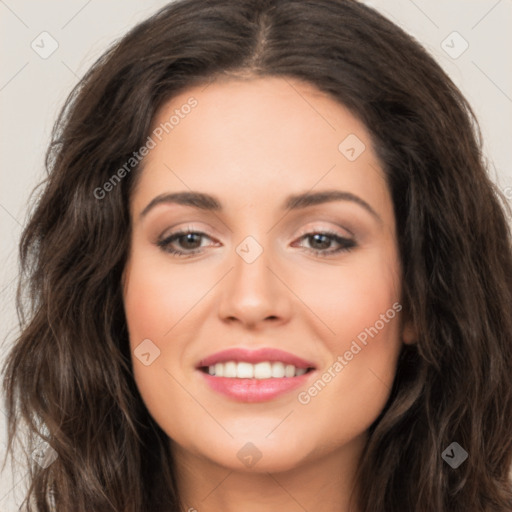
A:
{"points": [[323, 241], [189, 240]]}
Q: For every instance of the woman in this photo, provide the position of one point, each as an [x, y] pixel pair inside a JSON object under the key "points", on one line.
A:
{"points": [[268, 271]]}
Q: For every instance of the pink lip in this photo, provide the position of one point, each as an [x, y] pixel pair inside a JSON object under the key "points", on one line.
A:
{"points": [[254, 390], [255, 356]]}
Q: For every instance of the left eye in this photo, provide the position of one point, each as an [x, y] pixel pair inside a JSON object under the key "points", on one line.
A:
{"points": [[190, 243], [321, 242]]}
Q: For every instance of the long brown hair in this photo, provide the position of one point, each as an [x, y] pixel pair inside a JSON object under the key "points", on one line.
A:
{"points": [[69, 377]]}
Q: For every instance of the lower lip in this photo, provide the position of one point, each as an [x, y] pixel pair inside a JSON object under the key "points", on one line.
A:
{"points": [[255, 390]]}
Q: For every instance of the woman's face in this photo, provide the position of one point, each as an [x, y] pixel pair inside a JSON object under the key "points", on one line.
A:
{"points": [[294, 250]]}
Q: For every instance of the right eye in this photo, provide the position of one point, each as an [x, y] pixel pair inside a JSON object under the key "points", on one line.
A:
{"points": [[183, 243]]}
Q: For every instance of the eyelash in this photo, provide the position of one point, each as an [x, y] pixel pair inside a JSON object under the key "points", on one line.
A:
{"points": [[346, 244]]}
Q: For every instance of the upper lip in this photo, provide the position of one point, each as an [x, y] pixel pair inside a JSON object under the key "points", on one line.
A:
{"points": [[255, 356]]}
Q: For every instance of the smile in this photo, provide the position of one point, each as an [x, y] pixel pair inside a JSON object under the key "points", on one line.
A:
{"points": [[254, 375]]}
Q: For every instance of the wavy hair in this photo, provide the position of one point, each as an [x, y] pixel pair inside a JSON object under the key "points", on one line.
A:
{"points": [[68, 377]]}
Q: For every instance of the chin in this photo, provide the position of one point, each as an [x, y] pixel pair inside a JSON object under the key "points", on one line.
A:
{"points": [[255, 454]]}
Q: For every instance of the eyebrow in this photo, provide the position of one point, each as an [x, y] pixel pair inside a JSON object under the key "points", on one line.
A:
{"points": [[207, 202]]}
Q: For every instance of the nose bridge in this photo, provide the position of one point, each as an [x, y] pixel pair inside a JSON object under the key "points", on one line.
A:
{"points": [[252, 292]]}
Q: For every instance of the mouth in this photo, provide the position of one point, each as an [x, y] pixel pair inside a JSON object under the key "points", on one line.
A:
{"points": [[254, 375]]}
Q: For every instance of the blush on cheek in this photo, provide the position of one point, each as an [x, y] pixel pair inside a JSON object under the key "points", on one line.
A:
{"points": [[148, 307], [141, 323], [381, 352], [371, 343]]}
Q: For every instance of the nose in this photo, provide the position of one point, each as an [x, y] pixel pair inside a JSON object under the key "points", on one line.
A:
{"points": [[254, 294]]}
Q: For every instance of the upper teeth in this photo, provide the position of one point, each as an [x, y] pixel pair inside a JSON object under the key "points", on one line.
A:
{"points": [[263, 370]]}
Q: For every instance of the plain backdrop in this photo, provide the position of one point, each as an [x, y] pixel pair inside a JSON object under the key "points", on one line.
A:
{"points": [[469, 38]]}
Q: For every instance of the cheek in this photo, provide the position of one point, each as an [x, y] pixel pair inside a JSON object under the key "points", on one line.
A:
{"points": [[159, 308], [351, 392], [149, 311], [351, 298], [362, 311], [369, 327], [157, 297]]}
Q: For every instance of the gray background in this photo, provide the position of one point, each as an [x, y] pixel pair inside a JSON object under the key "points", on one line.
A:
{"points": [[33, 88]]}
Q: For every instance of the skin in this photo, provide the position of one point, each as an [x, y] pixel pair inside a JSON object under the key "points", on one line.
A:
{"points": [[251, 143]]}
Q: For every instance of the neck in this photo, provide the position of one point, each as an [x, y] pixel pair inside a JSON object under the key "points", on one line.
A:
{"points": [[324, 483]]}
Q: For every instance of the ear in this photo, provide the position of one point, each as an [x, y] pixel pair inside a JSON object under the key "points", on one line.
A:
{"points": [[409, 332]]}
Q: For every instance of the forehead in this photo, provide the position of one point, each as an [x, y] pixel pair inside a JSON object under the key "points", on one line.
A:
{"points": [[259, 139]]}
